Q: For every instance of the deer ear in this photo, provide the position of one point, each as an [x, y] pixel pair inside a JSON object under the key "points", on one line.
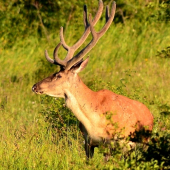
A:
{"points": [[80, 66]]}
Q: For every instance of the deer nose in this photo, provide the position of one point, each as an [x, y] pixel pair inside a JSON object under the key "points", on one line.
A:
{"points": [[34, 87]]}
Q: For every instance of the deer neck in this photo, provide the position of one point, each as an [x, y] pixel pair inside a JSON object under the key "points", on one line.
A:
{"points": [[79, 99]]}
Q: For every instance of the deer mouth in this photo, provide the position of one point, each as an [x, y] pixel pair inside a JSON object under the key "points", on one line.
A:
{"points": [[39, 92], [35, 90]]}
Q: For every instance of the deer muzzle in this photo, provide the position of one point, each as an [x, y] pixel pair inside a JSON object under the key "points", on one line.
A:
{"points": [[36, 90]]}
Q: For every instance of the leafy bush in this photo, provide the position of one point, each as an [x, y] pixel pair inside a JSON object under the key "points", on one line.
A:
{"points": [[151, 155], [165, 53], [41, 18], [163, 10], [57, 114]]}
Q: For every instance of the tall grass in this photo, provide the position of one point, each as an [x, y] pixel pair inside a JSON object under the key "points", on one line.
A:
{"points": [[125, 60]]}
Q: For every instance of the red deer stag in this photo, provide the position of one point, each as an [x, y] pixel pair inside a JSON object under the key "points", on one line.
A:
{"points": [[88, 106]]}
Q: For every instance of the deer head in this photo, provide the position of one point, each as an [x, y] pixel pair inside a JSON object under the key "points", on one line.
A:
{"points": [[71, 65]]}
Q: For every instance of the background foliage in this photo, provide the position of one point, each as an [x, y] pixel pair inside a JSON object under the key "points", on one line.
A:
{"points": [[132, 59]]}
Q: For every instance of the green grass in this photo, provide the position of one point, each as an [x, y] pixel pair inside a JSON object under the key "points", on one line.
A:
{"points": [[124, 60]]}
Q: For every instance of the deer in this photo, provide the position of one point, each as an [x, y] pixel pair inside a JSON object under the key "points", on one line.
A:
{"points": [[91, 108]]}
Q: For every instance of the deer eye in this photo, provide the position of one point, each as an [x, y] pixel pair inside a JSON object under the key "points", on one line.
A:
{"points": [[58, 76]]}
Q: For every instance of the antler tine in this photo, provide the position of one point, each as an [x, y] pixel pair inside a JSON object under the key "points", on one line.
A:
{"points": [[99, 12], [107, 13], [96, 37], [87, 28], [48, 58], [63, 40], [86, 24], [109, 21], [57, 60]]}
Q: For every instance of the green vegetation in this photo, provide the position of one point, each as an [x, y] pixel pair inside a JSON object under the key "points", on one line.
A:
{"points": [[132, 59]]}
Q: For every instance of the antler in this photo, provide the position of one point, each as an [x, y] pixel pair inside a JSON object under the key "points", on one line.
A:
{"points": [[72, 49], [68, 62]]}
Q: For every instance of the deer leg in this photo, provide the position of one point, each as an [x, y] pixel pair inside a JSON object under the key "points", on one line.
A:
{"points": [[88, 148], [91, 151]]}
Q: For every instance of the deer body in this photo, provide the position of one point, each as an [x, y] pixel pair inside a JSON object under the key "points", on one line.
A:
{"points": [[103, 115], [91, 108]]}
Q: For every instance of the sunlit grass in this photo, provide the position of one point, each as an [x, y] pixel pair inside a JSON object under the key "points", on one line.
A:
{"points": [[123, 58]]}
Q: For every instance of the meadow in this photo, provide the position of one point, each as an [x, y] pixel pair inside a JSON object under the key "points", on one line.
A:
{"points": [[132, 59]]}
